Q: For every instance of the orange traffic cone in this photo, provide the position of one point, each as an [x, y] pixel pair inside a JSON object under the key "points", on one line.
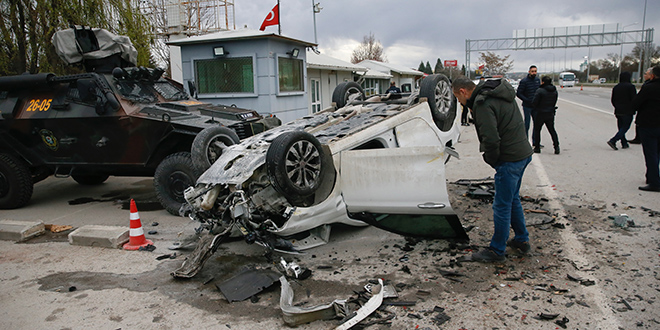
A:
{"points": [[136, 238], [581, 87]]}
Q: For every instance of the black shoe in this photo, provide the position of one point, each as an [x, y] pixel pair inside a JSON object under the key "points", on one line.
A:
{"points": [[523, 247], [625, 146], [556, 150], [487, 255], [649, 187], [612, 145], [635, 141], [537, 150]]}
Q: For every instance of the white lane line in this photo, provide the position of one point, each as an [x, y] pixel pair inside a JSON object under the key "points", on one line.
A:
{"points": [[586, 106], [574, 251]]}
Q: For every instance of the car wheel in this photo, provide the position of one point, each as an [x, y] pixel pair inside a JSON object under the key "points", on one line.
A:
{"points": [[173, 176], [437, 90], [297, 166], [90, 179], [347, 91], [15, 182], [209, 144]]}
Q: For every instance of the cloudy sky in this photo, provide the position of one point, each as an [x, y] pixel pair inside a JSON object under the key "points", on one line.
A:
{"points": [[424, 30]]}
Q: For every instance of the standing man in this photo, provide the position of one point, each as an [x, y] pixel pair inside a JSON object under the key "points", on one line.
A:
{"points": [[647, 105], [526, 90], [622, 96], [393, 88], [505, 146], [647, 78], [545, 107]]}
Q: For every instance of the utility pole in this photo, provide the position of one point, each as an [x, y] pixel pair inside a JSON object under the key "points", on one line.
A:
{"points": [[641, 50]]}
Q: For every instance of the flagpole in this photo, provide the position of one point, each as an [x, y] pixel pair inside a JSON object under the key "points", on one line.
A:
{"points": [[279, 19]]}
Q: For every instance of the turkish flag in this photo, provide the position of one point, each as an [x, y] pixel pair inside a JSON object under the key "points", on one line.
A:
{"points": [[481, 67], [273, 18]]}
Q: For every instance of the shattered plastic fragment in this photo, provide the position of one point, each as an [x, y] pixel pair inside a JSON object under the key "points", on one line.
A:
{"points": [[294, 315], [374, 302]]}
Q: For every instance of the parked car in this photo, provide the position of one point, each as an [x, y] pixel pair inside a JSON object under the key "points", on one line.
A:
{"points": [[116, 119], [378, 161]]}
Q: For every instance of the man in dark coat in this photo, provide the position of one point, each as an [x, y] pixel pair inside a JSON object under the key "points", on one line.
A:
{"points": [[544, 103], [647, 105], [622, 96], [505, 146], [526, 90]]}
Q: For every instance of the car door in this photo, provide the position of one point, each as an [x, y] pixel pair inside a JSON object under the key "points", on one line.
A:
{"points": [[402, 190]]}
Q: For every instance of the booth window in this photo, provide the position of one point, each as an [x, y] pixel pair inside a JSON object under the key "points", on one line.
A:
{"points": [[225, 75], [290, 74]]}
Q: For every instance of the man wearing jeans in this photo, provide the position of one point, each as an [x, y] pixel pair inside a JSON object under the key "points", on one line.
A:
{"points": [[503, 141]]}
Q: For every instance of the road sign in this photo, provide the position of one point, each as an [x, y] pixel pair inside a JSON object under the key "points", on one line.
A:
{"points": [[451, 63]]}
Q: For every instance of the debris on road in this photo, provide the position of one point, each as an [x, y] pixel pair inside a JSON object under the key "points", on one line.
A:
{"points": [[57, 228], [247, 283]]}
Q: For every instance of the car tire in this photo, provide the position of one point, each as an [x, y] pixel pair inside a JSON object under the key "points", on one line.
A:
{"points": [[436, 89], [209, 144], [297, 165], [346, 92], [90, 179], [15, 182], [173, 176]]}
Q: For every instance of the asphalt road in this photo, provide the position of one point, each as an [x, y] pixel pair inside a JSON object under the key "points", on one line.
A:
{"points": [[47, 283]]}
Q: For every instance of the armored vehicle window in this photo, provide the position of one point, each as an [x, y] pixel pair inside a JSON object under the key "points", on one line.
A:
{"points": [[290, 72], [225, 75], [169, 91], [136, 91]]}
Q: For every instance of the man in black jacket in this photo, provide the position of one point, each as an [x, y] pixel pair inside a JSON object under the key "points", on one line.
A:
{"points": [[622, 96], [647, 105], [526, 90], [544, 103]]}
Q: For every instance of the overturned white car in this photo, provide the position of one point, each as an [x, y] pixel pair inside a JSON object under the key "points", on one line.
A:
{"points": [[378, 161]]}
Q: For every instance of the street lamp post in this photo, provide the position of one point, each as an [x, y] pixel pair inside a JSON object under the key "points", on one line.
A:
{"points": [[316, 8], [621, 51], [641, 53]]}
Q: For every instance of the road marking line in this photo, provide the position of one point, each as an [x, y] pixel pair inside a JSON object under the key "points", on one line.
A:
{"points": [[574, 250], [586, 106]]}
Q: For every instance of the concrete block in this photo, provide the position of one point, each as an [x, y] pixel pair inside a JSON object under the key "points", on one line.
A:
{"points": [[101, 236], [12, 230]]}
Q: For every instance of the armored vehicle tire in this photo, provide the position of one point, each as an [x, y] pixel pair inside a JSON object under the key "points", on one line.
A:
{"points": [[297, 166], [173, 176], [209, 144], [90, 179], [15, 182], [347, 91], [437, 90]]}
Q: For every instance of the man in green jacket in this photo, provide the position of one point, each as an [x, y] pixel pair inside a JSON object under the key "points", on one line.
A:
{"points": [[503, 141]]}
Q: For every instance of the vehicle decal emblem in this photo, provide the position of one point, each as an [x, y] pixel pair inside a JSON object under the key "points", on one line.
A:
{"points": [[49, 139]]}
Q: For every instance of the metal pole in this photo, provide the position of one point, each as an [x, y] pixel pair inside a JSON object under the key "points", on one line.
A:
{"points": [[279, 19], [641, 50], [621, 51], [314, 13], [588, 64]]}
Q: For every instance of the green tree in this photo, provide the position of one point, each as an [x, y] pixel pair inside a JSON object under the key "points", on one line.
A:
{"points": [[427, 68], [495, 64], [438, 67], [28, 25], [421, 67], [369, 49]]}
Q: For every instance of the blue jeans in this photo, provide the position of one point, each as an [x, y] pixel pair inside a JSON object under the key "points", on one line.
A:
{"points": [[650, 137], [507, 210], [529, 116], [623, 124]]}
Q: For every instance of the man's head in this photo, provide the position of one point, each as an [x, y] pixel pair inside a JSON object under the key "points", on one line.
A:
{"points": [[392, 83], [462, 87], [532, 71], [655, 72], [647, 74], [546, 80]]}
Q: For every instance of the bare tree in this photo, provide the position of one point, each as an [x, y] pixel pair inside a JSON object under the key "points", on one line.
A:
{"points": [[495, 64], [369, 49], [27, 26]]}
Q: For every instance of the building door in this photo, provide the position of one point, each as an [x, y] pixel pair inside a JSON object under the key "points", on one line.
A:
{"points": [[316, 95]]}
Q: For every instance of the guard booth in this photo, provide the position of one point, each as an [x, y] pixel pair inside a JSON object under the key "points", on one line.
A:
{"points": [[247, 68]]}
